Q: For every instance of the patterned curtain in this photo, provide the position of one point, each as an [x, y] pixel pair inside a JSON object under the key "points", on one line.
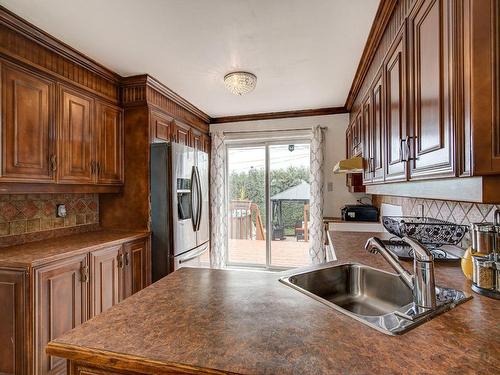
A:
{"points": [[317, 250], [218, 219]]}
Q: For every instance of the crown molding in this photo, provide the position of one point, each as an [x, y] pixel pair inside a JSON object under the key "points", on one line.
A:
{"points": [[27, 29], [278, 115], [382, 17]]}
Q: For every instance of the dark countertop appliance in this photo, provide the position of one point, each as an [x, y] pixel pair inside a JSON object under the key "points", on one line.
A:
{"points": [[359, 212]]}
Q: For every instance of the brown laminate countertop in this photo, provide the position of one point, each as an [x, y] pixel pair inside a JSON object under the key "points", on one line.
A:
{"points": [[40, 252], [247, 322]]}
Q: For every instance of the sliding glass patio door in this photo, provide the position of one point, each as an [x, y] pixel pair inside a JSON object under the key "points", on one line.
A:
{"points": [[268, 204]]}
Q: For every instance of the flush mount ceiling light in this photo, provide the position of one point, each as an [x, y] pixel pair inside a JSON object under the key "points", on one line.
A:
{"points": [[240, 83]]}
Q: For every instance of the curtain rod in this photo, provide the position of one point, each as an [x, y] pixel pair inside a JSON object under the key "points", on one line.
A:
{"points": [[267, 131]]}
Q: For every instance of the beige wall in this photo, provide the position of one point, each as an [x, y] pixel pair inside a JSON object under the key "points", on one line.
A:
{"points": [[334, 151]]}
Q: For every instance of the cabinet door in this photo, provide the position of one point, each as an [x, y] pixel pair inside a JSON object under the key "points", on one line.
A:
{"points": [[395, 94], [137, 268], [349, 141], [110, 160], [378, 124], [181, 134], [366, 108], [12, 322], [76, 145], [105, 272], [196, 141], [61, 304], [430, 109], [27, 126], [161, 127], [206, 143]]}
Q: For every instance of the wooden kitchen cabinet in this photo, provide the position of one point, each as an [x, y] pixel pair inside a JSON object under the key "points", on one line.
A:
{"points": [[105, 278], [61, 304], [57, 134], [396, 148], [77, 145], [377, 129], [161, 127], [432, 134], [136, 270], [13, 321], [367, 148], [110, 157], [40, 303], [181, 134], [27, 114], [480, 138]]}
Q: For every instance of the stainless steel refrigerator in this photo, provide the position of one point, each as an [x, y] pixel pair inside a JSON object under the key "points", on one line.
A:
{"points": [[179, 206]]}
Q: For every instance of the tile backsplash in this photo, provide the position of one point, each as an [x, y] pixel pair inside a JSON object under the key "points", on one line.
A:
{"points": [[453, 211], [22, 214]]}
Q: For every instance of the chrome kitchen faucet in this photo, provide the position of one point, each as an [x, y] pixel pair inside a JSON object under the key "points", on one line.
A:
{"points": [[422, 282]]}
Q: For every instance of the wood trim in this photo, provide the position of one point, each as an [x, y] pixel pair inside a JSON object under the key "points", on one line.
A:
{"points": [[380, 22], [278, 115], [135, 91], [29, 188], [119, 361], [25, 28]]}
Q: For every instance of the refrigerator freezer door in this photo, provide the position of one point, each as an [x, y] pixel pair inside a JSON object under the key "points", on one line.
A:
{"points": [[203, 231], [183, 160]]}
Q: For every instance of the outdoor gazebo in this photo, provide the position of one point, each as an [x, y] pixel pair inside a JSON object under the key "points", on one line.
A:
{"points": [[300, 194]]}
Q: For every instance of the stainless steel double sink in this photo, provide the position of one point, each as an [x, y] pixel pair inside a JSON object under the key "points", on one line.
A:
{"points": [[374, 297]]}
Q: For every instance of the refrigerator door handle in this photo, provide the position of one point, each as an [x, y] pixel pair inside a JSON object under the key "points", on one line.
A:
{"points": [[200, 199], [194, 218]]}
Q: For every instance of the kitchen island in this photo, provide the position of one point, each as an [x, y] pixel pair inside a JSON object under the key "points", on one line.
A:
{"points": [[244, 322]]}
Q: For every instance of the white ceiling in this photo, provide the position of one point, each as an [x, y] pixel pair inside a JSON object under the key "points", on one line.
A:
{"points": [[304, 52]]}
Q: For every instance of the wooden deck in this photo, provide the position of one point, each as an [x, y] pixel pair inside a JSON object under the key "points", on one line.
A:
{"points": [[285, 253]]}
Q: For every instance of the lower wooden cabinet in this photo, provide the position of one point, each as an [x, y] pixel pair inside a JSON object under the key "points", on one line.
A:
{"points": [[61, 304], [105, 267], [39, 305], [13, 314]]}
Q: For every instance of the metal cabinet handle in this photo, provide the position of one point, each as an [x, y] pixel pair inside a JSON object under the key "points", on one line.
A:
{"points": [[119, 259], [53, 163], [402, 150], [84, 274], [126, 259]]}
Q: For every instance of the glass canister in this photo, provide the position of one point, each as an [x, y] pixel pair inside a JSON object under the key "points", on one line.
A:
{"points": [[483, 236], [483, 272]]}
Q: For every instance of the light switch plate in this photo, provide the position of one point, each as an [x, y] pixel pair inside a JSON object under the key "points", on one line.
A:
{"points": [[61, 210]]}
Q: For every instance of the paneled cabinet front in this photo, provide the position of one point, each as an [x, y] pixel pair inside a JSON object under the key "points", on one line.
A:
{"points": [[28, 124], [61, 305], [54, 133], [397, 142], [13, 327], [105, 278], [431, 129], [109, 129], [76, 137]]}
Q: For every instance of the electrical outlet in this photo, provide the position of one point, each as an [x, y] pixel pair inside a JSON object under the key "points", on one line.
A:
{"points": [[329, 186], [61, 210], [420, 210]]}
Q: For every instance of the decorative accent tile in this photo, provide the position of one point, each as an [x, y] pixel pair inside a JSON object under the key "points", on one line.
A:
{"points": [[453, 211], [22, 214]]}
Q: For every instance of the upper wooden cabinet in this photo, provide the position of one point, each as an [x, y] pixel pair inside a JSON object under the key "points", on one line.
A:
{"points": [[436, 94], [109, 129], [431, 128], [76, 137], [377, 131], [161, 127], [28, 151], [80, 143], [482, 88], [396, 147]]}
